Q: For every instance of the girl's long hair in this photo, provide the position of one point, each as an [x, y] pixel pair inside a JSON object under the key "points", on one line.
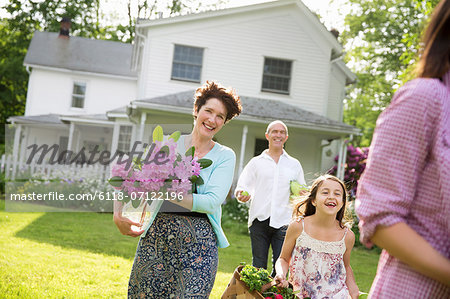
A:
{"points": [[435, 59], [305, 207]]}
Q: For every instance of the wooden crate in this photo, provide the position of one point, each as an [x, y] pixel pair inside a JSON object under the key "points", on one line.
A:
{"points": [[237, 289]]}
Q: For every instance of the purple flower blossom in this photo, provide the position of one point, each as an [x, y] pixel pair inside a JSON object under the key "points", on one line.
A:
{"points": [[148, 176]]}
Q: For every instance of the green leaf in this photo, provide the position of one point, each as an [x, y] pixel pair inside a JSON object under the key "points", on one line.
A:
{"points": [[204, 163], [125, 198], [190, 152], [165, 149], [193, 179], [175, 136], [116, 181], [199, 181], [136, 184], [135, 203], [158, 134], [137, 163]]}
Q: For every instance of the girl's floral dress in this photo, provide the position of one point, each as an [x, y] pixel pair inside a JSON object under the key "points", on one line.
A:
{"points": [[317, 267]]}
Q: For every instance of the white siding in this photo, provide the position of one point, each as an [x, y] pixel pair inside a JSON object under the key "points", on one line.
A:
{"points": [[50, 91], [235, 47], [336, 95]]}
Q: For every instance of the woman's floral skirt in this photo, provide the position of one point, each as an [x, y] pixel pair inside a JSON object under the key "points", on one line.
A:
{"points": [[177, 258]]}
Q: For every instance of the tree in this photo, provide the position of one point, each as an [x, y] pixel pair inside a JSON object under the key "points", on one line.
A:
{"points": [[143, 9], [27, 16], [16, 32], [382, 42]]}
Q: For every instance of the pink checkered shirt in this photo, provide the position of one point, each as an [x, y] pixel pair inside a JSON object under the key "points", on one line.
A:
{"points": [[407, 179]]}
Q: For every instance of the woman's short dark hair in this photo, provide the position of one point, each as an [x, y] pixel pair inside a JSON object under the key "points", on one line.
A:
{"points": [[227, 96], [435, 59]]}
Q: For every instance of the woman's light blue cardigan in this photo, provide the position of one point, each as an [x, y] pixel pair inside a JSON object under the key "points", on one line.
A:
{"points": [[217, 182]]}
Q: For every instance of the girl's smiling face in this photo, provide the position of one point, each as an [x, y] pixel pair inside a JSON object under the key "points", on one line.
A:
{"points": [[210, 118], [329, 197]]}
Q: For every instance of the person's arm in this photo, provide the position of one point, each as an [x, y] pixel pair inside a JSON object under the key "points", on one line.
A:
{"points": [[219, 184], [404, 243], [124, 224], [282, 264], [245, 182], [350, 279], [384, 202]]}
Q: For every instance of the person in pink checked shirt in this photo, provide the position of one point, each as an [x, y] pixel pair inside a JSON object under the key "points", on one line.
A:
{"points": [[403, 198]]}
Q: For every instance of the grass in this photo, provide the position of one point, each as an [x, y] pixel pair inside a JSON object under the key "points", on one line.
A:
{"points": [[82, 255]]}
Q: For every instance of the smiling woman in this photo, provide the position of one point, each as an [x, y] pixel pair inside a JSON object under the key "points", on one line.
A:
{"points": [[178, 254]]}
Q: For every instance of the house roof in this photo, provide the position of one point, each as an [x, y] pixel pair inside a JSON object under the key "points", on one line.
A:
{"points": [[36, 119], [60, 119], [254, 110], [80, 54]]}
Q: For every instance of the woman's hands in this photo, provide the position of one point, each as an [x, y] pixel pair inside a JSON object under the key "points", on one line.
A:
{"points": [[125, 226]]}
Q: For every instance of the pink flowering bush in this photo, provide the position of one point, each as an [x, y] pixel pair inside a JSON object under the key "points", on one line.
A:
{"points": [[354, 167]]}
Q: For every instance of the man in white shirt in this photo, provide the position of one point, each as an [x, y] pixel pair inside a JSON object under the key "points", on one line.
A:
{"points": [[265, 181]]}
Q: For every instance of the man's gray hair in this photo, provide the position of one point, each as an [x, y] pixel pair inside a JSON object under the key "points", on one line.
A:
{"points": [[275, 122]]}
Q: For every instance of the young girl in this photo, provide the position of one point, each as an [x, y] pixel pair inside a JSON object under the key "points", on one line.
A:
{"points": [[317, 245]]}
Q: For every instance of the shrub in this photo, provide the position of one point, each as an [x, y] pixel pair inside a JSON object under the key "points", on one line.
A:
{"points": [[235, 211], [355, 165]]}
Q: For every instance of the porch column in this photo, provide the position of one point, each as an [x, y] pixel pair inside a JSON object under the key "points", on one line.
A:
{"points": [[342, 157], [23, 144], [71, 129], [77, 147], [339, 164], [142, 127], [15, 152], [242, 154], [115, 138]]}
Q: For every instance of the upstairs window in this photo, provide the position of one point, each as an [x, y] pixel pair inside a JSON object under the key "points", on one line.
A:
{"points": [[277, 75], [78, 94], [187, 63]]}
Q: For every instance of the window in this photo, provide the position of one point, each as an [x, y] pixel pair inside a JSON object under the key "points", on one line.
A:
{"points": [[260, 146], [277, 75], [187, 63], [124, 139], [79, 91]]}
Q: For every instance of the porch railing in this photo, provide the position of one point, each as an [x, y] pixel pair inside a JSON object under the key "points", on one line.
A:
{"points": [[12, 168]]}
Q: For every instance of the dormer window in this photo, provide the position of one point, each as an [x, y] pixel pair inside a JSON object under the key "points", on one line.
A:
{"points": [[187, 63], [78, 94], [276, 75]]}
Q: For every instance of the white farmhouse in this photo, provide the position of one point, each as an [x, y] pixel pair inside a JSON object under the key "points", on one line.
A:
{"points": [[281, 60]]}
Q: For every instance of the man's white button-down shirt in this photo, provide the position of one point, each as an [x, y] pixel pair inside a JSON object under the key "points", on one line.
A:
{"points": [[268, 184]]}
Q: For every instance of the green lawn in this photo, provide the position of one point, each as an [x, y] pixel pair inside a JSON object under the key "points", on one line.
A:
{"points": [[82, 255]]}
